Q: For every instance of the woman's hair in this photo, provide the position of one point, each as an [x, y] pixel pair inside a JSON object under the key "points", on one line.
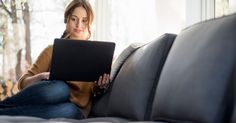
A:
{"points": [[71, 7]]}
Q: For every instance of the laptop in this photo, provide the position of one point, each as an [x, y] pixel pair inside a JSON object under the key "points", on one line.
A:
{"points": [[80, 60]]}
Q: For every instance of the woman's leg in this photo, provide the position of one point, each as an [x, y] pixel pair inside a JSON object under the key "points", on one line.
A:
{"points": [[43, 92], [63, 110]]}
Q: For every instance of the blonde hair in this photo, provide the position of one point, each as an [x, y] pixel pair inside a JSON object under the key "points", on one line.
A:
{"points": [[71, 7]]}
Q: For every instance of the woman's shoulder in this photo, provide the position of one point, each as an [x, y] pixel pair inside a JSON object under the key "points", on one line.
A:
{"points": [[46, 52], [48, 48]]}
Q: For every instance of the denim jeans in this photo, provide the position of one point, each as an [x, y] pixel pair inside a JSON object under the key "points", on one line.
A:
{"points": [[45, 99]]}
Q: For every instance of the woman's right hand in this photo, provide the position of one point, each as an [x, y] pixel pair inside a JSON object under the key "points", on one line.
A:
{"points": [[103, 81]]}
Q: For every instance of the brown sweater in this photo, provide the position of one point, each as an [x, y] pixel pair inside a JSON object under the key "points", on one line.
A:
{"points": [[81, 92]]}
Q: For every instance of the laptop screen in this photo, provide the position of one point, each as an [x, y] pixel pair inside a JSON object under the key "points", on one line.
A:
{"points": [[80, 60]]}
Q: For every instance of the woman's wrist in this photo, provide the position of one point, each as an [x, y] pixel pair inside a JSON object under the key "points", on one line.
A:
{"points": [[32, 79]]}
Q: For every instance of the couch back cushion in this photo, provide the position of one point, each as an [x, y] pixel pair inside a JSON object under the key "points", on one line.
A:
{"points": [[233, 107], [194, 83], [100, 102], [132, 89]]}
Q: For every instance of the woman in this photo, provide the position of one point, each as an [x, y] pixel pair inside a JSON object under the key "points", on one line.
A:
{"points": [[53, 99]]}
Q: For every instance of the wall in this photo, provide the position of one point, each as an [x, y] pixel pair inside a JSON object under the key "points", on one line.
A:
{"points": [[193, 11], [232, 6], [170, 16]]}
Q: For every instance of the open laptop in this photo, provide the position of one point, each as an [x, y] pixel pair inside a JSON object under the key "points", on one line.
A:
{"points": [[80, 60]]}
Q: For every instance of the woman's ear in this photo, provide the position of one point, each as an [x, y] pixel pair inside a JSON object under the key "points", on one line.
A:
{"points": [[66, 32], [67, 28], [66, 20]]}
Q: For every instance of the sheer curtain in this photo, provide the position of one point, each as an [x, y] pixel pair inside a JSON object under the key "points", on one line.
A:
{"points": [[129, 21], [224, 7], [125, 21]]}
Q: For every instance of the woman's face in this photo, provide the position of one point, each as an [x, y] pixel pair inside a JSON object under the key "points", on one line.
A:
{"points": [[77, 24]]}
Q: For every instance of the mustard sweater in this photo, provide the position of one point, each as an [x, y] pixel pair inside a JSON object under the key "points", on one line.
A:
{"points": [[80, 92]]}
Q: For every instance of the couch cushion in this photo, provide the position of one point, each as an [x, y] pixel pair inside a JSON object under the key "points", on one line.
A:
{"points": [[20, 119], [194, 83], [108, 120], [119, 61], [131, 96], [100, 102], [104, 120], [233, 106]]}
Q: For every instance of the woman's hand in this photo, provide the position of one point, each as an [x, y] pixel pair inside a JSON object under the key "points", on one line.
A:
{"points": [[33, 79], [103, 81], [44, 75]]}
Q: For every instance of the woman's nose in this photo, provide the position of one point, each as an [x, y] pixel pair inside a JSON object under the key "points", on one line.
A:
{"points": [[79, 24]]}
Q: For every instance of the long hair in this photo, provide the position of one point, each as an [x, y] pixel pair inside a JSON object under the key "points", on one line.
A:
{"points": [[71, 7]]}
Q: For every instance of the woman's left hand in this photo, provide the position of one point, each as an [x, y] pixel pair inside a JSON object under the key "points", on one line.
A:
{"points": [[103, 81]]}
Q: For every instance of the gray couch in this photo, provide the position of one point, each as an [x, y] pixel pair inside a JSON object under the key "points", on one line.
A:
{"points": [[189, 81], [188, 78]]}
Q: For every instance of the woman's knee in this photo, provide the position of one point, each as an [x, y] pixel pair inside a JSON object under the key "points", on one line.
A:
{"points": [[51, 87], [70, 110], [60, 86], [49, 91], [55, 90]]}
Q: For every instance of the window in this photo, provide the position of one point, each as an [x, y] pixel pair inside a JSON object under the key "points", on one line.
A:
{"points": [[221, 7], [131, 21], [224, 7]]}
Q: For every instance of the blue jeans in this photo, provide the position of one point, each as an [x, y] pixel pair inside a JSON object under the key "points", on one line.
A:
{"points": [[46, 99]]}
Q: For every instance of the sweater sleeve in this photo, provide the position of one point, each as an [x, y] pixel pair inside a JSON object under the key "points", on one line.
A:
{"points": [[42, 64]]}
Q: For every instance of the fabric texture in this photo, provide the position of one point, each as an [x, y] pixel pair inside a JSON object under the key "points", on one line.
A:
{"points": [[196, 81], [80, 93], [122, 57], [45, 99], [131, 93], [100, 103]]}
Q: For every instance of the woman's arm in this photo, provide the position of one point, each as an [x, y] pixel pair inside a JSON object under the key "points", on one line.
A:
{"points": [[32, 79], [39, 70]]}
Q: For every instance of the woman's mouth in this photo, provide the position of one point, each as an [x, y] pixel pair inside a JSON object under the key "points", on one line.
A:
{"points": [[78, 30]]}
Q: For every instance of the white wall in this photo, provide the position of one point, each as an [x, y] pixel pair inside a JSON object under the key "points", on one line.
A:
{"points": [[199, 10], [129, 21], [232, 6], [170, 16], [125, 21], [193, 11]]}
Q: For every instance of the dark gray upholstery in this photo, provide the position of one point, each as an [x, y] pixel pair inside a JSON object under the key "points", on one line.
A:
{"points": [[233, 97], [132, 92], [100, 103], [105, 120], [139, 79], [157, 50], [122, 58], [194, 86]]}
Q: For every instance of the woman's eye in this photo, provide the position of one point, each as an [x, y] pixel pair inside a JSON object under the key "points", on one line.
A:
{"points": [[85, 20], [73, 19]]}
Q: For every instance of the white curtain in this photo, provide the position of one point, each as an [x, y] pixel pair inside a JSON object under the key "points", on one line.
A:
{"points": [[232, 6], [125, 21], [129, 21]]}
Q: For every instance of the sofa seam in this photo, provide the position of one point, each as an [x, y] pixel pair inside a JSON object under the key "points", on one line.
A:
{"points": [[166, 50]]}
